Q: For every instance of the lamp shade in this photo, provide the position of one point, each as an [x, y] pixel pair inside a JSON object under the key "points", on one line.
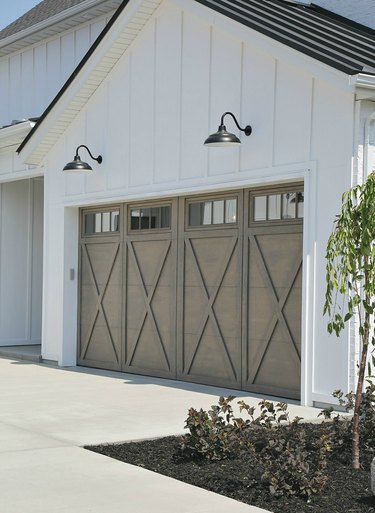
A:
{"points": [[222, 138], [77, 165]]}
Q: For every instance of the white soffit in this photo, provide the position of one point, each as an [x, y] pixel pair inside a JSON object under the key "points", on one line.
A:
{"points": [[82, 86]]}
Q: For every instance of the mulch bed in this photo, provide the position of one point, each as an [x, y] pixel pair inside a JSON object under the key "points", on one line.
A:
{"points": [[347, 490]]}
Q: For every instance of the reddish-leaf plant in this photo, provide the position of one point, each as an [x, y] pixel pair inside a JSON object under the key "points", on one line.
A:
{"points": [[350, 277]]}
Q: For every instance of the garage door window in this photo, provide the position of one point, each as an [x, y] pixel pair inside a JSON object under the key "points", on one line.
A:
{"points": [[150, 218], [101, 222], [278, 207], [214, 212]]}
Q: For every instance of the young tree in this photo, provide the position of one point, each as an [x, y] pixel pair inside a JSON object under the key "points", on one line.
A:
{"points": [[350, 266]]}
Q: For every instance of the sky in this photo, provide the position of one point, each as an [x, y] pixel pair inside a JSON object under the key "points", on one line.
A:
{"points": [[10, 10]]}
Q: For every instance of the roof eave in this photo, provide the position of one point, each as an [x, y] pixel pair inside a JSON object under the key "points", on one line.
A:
{"points": [[42, 30], [363, 80], [13, 135]]}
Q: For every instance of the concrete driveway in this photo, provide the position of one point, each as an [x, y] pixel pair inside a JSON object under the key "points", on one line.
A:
{"points": [[49, 413]]}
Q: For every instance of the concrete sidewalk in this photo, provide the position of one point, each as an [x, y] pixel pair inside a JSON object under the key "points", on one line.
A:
{"points": [[49, 413]]}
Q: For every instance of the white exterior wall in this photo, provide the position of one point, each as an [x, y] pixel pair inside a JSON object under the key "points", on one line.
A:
{"points": [[364, 165], [31, 78], [149, 120], [21, 253]]}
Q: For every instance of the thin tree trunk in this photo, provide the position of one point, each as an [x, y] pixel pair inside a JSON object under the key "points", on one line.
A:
{"points": [[359, 391]]}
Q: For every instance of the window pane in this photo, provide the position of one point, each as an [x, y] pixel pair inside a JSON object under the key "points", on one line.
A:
{"points": [[98, 222], [206, 212], [260, 208], [145, 218], [89, 223], [274, 207], [155, 218], [165, 217], [218, 217], [289, 205], [106, 221], [230, 211], [194, 214], [115, 221], [300, 204], [134, 219]]}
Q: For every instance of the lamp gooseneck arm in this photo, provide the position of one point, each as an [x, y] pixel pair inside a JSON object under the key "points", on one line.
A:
{"points": [[99, 158], [247, 128]]}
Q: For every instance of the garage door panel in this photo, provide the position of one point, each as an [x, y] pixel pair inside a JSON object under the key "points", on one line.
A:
{"points": [[100, 303], [110, 304], [209, 334], [150, 317], [102, 264], [274, 309], [102, 348], [293, 305], [201, 264], [279, 253], [148, 263], [278, 358], [146, 351], [228, 311], [211, 357]]}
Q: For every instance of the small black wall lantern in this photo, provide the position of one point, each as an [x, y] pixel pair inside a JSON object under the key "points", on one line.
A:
{"points": [[224, 138], [78, 166]]}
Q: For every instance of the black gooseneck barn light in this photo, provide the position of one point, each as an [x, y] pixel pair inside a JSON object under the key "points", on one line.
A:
{"points": [[224, 138], [81, 167]]}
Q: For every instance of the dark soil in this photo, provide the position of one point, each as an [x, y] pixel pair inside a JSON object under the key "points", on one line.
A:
{"points": [[347, 490]]}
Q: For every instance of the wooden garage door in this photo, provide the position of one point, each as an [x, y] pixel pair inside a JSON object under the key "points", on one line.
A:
{"points": [[213, 298], [272, 323], [209, 289], [150, 289], [100, 296]]}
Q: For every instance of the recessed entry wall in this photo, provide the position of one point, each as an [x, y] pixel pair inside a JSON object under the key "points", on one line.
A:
{"points": [[21, 261], [204, 289]]}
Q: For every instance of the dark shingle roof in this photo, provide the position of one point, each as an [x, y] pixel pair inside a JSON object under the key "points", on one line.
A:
{"points": [[44, 10], [312, 30]]}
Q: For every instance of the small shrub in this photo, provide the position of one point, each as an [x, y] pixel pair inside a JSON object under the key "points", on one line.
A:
{"points": [[340, 429], [210, 433], [367, 419], [293, 463]]}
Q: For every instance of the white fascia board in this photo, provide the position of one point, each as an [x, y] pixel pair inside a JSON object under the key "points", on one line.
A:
{"points": [[87, 81], [53, 20], [14, 134]]}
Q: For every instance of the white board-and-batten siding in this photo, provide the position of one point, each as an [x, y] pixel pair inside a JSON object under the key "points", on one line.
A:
{"points": [[32, 77], [167, 94], [29, 80], [149, 119]]}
